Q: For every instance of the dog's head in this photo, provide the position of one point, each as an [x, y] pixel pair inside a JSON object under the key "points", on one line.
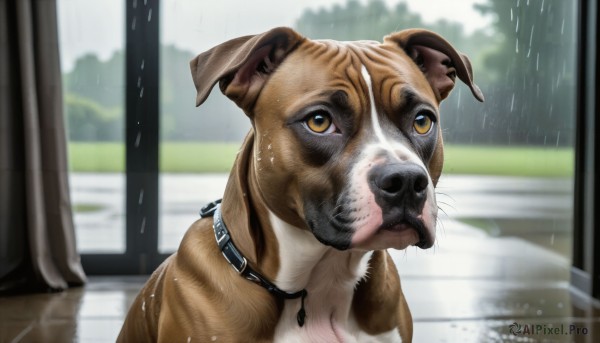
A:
{"points": [[346, 135]]}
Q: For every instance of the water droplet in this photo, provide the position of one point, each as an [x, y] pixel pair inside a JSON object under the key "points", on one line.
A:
{"points": [[511, 14], [539, 312], [512, 102], [189, 339], [142, 65], [134, 4], [560, 305], [144, 306], [145, 2], [517, 26], [138, 138], [537, 62], [272, 159], [562, 27], [269, 147], [531, 36], [149, 15], [517, 46], [542, 8], [558, 139], [139, 83], [213, 338], [141, 197], [552, 236], [143, 226], [133, 23], [141, 92], [151, 295], [174, 279]]}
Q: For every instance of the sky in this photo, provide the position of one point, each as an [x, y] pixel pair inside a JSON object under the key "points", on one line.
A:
{"points": [[91, 26]]}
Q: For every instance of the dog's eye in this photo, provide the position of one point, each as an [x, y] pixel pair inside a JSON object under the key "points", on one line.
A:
{"points": [[423, 124], [320, 122]]}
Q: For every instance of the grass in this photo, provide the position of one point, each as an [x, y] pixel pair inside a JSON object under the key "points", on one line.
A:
{"points": [[193, 157], [509, 161]]}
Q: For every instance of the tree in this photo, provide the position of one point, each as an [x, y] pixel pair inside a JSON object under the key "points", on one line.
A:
{"points": [[89, 121]]}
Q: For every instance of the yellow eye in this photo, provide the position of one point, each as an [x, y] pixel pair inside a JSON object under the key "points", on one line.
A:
{"points": [[422, 124], [320, 123]]}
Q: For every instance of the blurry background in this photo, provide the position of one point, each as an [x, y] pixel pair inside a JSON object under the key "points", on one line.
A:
{"points": [[509, 161]]}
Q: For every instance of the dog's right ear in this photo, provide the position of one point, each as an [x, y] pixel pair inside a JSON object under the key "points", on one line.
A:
{"points": [[242, 65]]}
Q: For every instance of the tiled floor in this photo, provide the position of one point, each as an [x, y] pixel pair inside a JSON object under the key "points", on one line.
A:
{"points": [[470, 288]]}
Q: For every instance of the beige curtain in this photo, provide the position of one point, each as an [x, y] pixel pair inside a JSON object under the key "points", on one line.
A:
{"points": [[37, 238]]}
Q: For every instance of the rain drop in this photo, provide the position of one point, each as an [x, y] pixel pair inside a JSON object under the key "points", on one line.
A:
{"points": [[537, 62], [213, 338], [189, 339], [539, 312], [133, 23], [144, 306], [141, 197], [149, 15], [142, 65], [141, 92], [562, 27], [138, 138], [517, 46], [512, 103], [531, 36], [139, 83], [511, 14], [143, 226], [542, 9], [517, 26], [134, 4], [560, 305]]}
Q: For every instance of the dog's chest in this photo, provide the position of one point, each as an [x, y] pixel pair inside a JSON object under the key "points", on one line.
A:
{"points": [[330, 278]]}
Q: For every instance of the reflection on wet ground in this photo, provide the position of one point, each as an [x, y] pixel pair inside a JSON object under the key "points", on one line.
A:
{"points": [[484, 284]]}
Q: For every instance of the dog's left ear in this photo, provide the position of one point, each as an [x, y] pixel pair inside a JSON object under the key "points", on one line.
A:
{"points": [[438, 60], [242, 65]]}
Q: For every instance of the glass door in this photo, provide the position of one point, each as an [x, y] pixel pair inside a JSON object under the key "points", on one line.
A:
{"points": [[93, 63]]}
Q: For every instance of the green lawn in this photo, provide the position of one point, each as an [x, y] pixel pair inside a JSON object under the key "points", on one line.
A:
{"points": [[218, 157]]}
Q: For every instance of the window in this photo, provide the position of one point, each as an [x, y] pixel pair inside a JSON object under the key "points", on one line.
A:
{"points": [[93, 66], [509, 162]]}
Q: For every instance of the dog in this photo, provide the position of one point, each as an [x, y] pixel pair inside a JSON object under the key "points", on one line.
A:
{"points": [[341, 164]]}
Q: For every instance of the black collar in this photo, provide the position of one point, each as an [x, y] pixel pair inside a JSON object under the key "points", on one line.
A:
{"points": [[239, 262]]}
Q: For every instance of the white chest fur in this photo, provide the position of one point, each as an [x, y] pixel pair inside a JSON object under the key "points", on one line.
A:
{"points": [[329, 276]]}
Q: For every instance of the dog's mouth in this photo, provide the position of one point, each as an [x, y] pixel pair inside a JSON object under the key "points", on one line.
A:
{"points": [[410, 223]]}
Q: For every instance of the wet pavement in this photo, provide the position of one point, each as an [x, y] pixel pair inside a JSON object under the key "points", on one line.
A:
{"points": [[481, 283], [538, 210]]}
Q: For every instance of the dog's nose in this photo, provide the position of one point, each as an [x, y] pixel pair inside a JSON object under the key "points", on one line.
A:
{"points": [[398, 184]]}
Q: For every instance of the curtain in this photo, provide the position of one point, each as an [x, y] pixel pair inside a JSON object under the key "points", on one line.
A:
{"points": [[37, 236]]}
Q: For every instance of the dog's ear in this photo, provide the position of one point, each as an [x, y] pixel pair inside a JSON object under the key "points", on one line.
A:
{"points": [[438, 60], [242, 65]]}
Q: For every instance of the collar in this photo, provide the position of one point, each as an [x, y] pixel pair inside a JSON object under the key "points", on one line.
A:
{"points": [[240, 263]]}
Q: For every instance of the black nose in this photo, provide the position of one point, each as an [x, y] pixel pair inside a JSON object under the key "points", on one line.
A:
{"points": [[400, 184]]}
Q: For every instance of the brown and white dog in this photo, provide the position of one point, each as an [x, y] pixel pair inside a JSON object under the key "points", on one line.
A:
{"points": [[340, 165]]}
